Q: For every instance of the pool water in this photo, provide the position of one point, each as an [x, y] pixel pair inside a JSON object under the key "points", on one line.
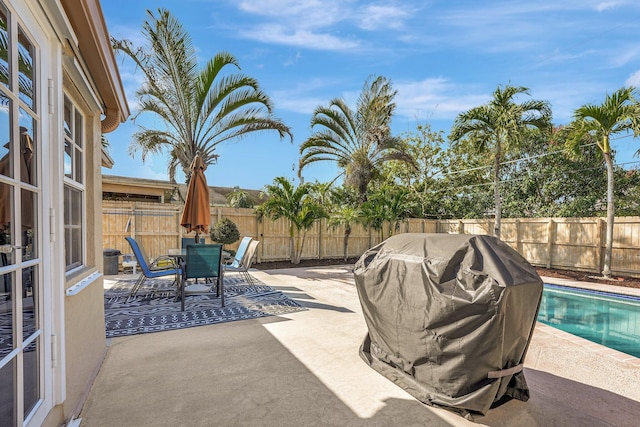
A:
{"points": [[612, 320]]}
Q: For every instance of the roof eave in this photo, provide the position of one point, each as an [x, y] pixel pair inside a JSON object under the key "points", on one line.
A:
{"points": [[94, 45]]}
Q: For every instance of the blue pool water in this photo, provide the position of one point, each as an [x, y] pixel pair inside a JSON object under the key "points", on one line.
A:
{"points": [[609, 319]]}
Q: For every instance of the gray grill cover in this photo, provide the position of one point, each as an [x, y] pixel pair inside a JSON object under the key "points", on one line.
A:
{"points": [[449, 317]]}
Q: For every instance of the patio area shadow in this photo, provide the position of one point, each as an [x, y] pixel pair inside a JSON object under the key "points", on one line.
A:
{"points": [[237, 374], [554, 398]]}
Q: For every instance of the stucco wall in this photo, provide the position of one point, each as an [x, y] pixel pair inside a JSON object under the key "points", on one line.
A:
{"points": [[85, 343], [85, 340]]}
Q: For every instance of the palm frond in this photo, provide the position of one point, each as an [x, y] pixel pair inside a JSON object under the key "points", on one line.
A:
{"points": [[200, 108]]}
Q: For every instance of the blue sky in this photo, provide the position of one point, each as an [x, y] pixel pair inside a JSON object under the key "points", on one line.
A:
{"points": [[443, 57]]}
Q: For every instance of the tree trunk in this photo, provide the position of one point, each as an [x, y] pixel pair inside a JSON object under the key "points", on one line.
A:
{"points": [[496, 194], [606, 269], [346, 244], [299, 246], [292, 248]]}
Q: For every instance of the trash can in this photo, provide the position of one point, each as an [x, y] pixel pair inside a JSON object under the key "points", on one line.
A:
{"points": [[449, 317], [110, 261]]}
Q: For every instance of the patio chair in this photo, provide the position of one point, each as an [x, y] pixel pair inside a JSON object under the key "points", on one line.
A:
{"points": [[159, 267], [186, 241], [245, 265], [204, 261], [240, 253]]}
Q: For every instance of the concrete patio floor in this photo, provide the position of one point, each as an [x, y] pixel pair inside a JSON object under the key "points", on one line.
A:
{"points": [[303, 369]]}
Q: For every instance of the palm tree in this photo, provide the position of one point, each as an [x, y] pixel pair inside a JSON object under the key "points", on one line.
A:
{"points": [[345, 216], [239, 198], [284, 200], [620, 112], [200, 108], [498, 127], [373, 215], [360, 141], [321, 192]]}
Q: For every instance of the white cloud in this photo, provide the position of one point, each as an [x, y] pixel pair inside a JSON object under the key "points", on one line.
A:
{"points": [[566, 98], [633, 80], [273, 33], [436, 98], [600, 7], [294, 60], [376, 17], [305, 13], [318, 24], [304, 97], [524, 26], [627, 54], [299, 104]]}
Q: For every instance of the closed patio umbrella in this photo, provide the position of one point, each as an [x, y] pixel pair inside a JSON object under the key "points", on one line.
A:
{"points": [[197, 213]]}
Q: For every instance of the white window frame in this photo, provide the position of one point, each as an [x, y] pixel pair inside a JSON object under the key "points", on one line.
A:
{"points": [[72, 183], [51, 373]]}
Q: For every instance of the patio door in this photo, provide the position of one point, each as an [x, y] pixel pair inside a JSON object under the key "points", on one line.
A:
{"points": [[22, 338]]}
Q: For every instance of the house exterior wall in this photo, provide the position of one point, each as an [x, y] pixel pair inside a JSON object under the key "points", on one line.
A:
{"points": [[85, 341]]}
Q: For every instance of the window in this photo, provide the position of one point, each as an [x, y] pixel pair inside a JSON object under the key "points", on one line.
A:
{"points": [[73, 186]]}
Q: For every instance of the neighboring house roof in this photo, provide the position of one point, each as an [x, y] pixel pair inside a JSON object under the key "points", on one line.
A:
{"points": [[94, 46], [217, 195]]}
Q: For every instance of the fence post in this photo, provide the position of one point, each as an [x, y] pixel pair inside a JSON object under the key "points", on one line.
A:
{"points": [[260, 236], [320, 226], [518, 238], [134, 223], [551, 230], [460, 227]]}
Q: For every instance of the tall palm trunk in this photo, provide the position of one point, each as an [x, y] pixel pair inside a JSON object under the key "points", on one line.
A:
{"points": [[606, 269]]}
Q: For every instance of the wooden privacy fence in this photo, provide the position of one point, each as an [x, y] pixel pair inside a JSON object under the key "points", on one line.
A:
{"points": [[565, 243], [157, 227]]}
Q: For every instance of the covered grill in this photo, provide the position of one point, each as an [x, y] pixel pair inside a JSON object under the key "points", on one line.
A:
{"points": [[449, 317]]}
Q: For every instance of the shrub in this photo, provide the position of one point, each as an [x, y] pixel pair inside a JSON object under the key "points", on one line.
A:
{"points": [[225, 232]]}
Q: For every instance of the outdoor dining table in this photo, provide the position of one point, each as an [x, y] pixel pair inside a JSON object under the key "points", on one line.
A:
{"points": [[180, 256]]}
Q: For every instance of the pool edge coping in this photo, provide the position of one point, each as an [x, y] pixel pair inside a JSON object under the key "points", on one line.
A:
{"points": [[634, 292]]}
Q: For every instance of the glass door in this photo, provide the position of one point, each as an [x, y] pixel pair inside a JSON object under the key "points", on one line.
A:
{"points": [[21, 305]]}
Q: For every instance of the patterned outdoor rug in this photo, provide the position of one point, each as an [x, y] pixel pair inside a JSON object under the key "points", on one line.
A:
{"points": [[154, 308]]}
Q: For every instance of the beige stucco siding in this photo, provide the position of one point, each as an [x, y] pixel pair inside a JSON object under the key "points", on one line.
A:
{"points": [[85, 342]]}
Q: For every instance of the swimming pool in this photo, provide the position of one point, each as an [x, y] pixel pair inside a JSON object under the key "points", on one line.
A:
{"points": [[612, 320]]}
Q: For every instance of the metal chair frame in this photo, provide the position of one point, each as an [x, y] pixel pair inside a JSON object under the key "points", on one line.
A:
{"points": [[245, 265], [148, 270], [240, 253]]}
